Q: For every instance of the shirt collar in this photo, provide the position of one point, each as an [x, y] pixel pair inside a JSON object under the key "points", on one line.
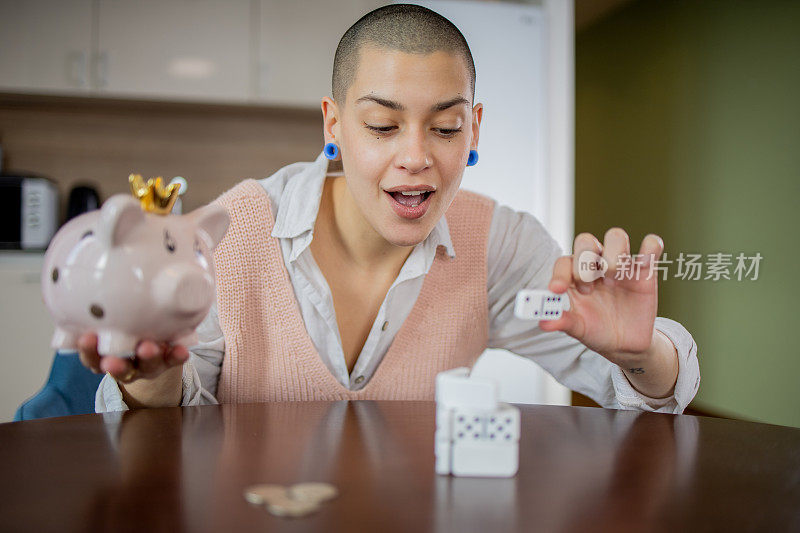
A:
{"points": [[299, 205]]}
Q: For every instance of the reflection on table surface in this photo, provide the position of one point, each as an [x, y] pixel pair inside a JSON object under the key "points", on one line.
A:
{"points": [[580, 469]]}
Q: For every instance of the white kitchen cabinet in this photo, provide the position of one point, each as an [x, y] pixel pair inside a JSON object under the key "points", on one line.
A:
{"points": [[45, 46], [298, 41], [174, 49], [271, 52], [25, 329]]}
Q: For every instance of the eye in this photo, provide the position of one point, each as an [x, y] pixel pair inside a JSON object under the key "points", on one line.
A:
{"points": [[444, 132], [197, 250], [380, 129], [169, 242], [448, 132]]}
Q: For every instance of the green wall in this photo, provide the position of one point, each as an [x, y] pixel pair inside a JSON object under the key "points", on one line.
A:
{"points": [[688, 126]]}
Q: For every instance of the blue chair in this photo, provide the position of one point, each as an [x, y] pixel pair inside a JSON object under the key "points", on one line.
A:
{"points": [[70, 390]]}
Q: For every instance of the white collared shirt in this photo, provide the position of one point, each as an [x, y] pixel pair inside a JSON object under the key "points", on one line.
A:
{"points": [[521, 255]]}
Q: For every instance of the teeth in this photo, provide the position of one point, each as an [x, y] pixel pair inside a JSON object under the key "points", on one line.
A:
{"points": [[412, 193]]}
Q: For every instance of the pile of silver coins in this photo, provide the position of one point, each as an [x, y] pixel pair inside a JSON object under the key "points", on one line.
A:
{"points": [[295, 501]]}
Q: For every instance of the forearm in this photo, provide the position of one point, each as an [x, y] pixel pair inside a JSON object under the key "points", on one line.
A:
{"points": [[162, 391], [654, 372]]}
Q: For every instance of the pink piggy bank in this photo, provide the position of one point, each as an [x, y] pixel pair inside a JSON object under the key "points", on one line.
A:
{"points": [[131, 275]]}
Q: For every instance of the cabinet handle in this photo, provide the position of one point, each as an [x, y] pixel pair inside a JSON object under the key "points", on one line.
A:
{"points": [[101, 70], [76, 68]]}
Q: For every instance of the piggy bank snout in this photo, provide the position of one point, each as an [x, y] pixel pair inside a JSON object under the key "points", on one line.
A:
{"points": [[184, 290]]}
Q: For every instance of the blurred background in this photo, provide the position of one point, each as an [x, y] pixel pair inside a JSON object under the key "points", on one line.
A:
{"points": [[678, 118]]}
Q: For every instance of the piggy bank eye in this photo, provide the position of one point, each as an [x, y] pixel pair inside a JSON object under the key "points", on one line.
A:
{"points": [[197, 250], [169, 242]]}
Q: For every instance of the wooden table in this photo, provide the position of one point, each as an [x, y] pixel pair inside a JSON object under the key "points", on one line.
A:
{"points": [[581, 469]]}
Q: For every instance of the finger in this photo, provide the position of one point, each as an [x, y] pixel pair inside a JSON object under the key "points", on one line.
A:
{"points": [[568, 323], [562, 274], [87, 352], [651, 249], [177, 355], [616, 246], [584, 242], [119, 367], [149, 358]]}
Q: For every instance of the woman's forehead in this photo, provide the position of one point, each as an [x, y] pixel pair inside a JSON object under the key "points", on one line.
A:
{"points": [[409, 79], [454, 103]]}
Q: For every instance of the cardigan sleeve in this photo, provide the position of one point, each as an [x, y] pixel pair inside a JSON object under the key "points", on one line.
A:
{"points": [[521, 255]]}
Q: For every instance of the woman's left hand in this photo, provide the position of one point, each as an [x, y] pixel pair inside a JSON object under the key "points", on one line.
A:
{"points": [[613, 315]]}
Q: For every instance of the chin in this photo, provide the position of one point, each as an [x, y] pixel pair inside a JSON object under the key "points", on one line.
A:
{"points": [[411, 237]]}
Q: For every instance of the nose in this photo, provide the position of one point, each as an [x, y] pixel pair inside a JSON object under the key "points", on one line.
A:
{"points": [[414, 155], [183, 289]]}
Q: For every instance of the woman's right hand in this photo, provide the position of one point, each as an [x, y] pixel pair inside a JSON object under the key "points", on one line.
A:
{"points": [[151, 360]]}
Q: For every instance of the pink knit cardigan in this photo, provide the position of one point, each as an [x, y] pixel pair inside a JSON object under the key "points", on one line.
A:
{"points": [[269, 355]]}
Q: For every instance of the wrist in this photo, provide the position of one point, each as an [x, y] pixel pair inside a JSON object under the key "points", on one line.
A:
{"points": [[653, 372], [655, 351], [162, 391]]}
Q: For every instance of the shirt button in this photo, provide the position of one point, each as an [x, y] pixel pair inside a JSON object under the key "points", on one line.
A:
{"points": [[359, 380], [384, 326]]}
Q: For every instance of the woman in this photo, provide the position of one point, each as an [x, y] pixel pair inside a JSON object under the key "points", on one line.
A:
{"points": [[364, 285]]}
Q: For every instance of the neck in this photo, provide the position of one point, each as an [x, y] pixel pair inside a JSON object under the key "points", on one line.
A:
{"points": [[341, 223]]}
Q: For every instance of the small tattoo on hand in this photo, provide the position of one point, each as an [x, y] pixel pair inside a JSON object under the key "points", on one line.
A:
{"points": [[636, 370]]}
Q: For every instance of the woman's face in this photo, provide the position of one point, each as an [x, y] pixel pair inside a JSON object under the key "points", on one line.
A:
{"points": [[407, 124]]}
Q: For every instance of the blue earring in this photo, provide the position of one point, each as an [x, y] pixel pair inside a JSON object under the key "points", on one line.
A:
{"points": [[473, 158], [331, 151]]}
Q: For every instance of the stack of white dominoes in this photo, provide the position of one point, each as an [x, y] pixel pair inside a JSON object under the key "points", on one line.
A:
{"points": [[475, 434]]}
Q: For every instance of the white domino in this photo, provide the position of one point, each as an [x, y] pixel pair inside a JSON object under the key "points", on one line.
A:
{"points": [[536, 304], [444, 423], [476, 435], [502, 426], [484, 459], [455, 388], [469, 424], [444, 449]]}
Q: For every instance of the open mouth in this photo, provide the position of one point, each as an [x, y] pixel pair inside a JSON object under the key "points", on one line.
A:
{"points": [[410, 199], [411, 204]]}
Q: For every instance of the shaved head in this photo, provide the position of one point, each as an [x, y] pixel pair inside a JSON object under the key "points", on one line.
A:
{"points": [[407, 28]]}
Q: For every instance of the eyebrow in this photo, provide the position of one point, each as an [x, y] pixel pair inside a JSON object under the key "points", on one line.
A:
{"points": [[397, 106]]}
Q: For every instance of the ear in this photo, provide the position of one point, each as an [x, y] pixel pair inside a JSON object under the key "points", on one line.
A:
{"points": [[213, 220], [330, 120], [118, 216], [477, 116]]}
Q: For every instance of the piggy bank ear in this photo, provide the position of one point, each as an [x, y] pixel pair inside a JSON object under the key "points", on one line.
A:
{"points": [[118, 216], [212, 219]]}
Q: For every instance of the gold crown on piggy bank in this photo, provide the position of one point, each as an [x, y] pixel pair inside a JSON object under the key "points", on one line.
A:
{"points": [[154, 197]]}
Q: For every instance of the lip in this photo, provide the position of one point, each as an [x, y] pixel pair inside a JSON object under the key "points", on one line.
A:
{"points": [[410, 213], [407, 188]]}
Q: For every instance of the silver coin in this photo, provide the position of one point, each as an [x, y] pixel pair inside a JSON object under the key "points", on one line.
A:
{"points": [[289, 507], [313, 492], [261, 494]]}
